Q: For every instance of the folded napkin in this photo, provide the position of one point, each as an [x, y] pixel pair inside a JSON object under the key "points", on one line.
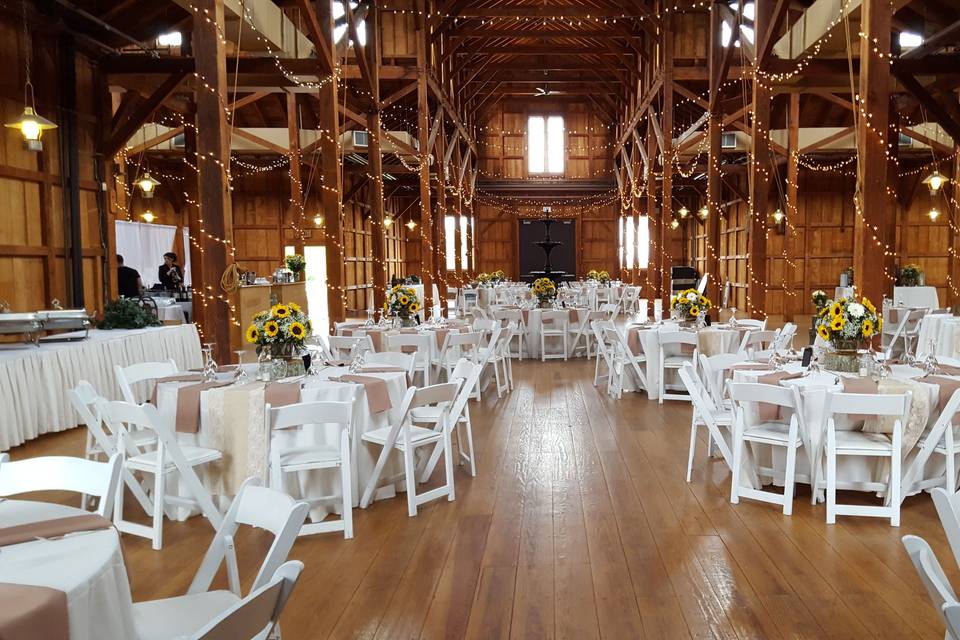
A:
{"points": [[378, 396], [55, 528], [280, 394], [33, 612], [188, 405], [947, 387], [767, 412], [183, 377], [223, 368], [336, 363], [385, 369], [377, 338]]}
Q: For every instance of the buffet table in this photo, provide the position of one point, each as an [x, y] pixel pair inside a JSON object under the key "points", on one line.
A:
{"points": [[34, 379]]}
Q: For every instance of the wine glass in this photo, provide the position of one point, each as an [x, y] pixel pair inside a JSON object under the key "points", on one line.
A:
{"points": [[369, 322], [209, 365], [241, 377]]}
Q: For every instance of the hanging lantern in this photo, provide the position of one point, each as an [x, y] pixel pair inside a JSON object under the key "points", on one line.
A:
{"points": [[318, 221], [934, 214], [934, 182], [148, 185], [683, 213], [778, 216], [674, 224], [31, 127], [148, 216], [411, 225], [387, 221], [704, 212]]}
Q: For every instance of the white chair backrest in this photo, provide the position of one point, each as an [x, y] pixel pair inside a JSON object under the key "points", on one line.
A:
{"points": [[760, 339], [785, 337], [699, 394], [462, 343], [62, 473], [746, 393], [301, 413], [85, 401], [869, 404], [609, 309], [750, 323], [931, 574], [715, 370], [554, 320], [678, 337], [509, 315], [406, 361], [341, 346], [482, 325], [419, 341], [128, 376], [256, 615], [254, 506]]}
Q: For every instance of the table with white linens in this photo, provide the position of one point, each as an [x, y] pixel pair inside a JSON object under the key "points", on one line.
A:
{"points": [[645, 339], [34, 379], [942, 330], [533, 319], [232, 421], [852, 471], [87, 566], [916, 297]]}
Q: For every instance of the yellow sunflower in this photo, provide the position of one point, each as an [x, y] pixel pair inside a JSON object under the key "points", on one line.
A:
{"points": [[294, 307], [837, 323], [296, 330], [823, 312], [879, 324], [836, 310], [271, 328], [252, 334], [404, 300], [823, 332], [694, 311], [868, 305], [414, 307], [280, 311], [867, 327]]}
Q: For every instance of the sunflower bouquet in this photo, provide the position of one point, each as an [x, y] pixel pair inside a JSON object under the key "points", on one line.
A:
{"points": [[819, 299], [593, 274], [402, 302], [603, 277], [545, 290], [847, 323], [483, 278], [690, 304], [498, 276], [280, 329]]}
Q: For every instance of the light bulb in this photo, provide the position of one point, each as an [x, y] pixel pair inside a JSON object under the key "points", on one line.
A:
{"points": [[31, 127], [411, 225], [674, 224], [318, 221], [387, 221], [704, 212], [778, 216], [148, 216], [683, 213], [934, 182], [147, 184], [934, 214]]}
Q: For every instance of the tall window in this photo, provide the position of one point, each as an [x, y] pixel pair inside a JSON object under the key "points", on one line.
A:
{"points": [[545, 148], [634, 246], [450, 242], [643, 242], [630, 243], [464, 224]]}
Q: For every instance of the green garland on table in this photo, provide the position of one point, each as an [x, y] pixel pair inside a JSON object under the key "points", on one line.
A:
{"points": [[126, 313]]}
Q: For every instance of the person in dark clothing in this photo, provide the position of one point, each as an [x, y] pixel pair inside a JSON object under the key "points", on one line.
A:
{"points": [[129, 284], [170, 273]]}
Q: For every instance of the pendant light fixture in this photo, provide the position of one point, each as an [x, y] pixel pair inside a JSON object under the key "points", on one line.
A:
{"points": [[148, 185], [148, 216], [674, 224], [411, 225], [934, 182], [30, 124], [934, 214], [704, 212], [683, 213]]}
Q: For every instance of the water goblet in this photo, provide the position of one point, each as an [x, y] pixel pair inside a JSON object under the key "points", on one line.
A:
{"points": [[209, 365], [241, 377]]}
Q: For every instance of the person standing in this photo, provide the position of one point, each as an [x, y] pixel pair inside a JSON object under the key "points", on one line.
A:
{"points": [[129, 284], [170, 273]]}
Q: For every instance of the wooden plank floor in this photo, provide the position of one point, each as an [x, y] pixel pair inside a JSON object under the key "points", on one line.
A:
{"points": [[580, 525]]}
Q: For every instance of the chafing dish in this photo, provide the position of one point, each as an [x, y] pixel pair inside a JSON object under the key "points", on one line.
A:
{"points": [[26, 324], [65, 320]]}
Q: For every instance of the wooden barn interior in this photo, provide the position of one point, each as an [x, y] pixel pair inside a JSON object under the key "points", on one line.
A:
{"points": [[775, 148]]}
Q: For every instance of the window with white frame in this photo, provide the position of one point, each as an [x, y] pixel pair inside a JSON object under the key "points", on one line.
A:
{"points": [[545, 148], [643, 242], [464, 224], [450, 242], [634, 245], [630, 243]]}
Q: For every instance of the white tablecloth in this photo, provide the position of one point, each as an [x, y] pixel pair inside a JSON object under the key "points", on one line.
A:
{"points": [[88, 567], [943, 332], [534, 322], [232, 419], [34, 380], [918, 297]]}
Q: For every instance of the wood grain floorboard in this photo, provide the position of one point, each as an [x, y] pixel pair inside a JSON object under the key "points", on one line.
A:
{"points": [[579, 525]]}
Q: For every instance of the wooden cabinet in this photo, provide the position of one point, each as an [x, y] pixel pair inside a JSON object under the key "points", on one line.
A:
{"points": [[254, 298]]}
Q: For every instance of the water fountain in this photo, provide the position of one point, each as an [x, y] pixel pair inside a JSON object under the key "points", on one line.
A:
{"points": [[547, 245]]}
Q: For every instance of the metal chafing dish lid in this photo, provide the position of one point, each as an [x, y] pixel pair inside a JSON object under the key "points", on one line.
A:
{"points": [[63, 314], [11, 318]]}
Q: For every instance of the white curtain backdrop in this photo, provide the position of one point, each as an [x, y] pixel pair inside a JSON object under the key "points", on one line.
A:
{"points": [[185, 258], [143, 245]]}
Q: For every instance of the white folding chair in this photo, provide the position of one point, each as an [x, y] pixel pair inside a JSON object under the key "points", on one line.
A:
{"points": [[784, 339], [609, 309], [466, 374], [716, 370], [256, 616], [519, 331], [483, 326], [684, 347], [752, 324], [286, 459], [758, 340], [748, 396], [580, 330], [940, 439], [169, 457], [344, 347], [553, 325], [589, 337], [254, 506], [141, 372], [469, 299], [456, 346], [496, 353], [705, 414], [421, 342], [405, 361], [624, 359], [605, 352], [862, 444], [908, 330], [948, 509], [405, 437], [935, 581], [63, 473]]}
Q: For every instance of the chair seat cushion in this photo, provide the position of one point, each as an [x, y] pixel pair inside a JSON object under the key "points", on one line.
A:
{"points": [[194, 455], [853, 441], [417, 435], [181, 616]]}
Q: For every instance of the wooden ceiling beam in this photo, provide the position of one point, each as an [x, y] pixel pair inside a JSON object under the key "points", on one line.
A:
{"points": [[138, 117], [408, 88], [257, 140], [451, 111], [766, 40], [544, 11], [945, 113], [572, 49], [315, 33], [638, 113], [940, 39]]}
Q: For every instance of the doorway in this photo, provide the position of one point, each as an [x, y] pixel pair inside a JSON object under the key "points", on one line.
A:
{"points": [[316, 274]]}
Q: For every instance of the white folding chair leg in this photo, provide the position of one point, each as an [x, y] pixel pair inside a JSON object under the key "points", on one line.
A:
{"points": [[831, 477], [693, 446], [158, 498], [375, 477], [346, 479]]}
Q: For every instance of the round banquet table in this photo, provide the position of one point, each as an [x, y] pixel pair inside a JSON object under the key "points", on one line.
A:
{"points": [[943, 332], [88, 567], [232, 421], [533, 320], [645, 339], [853, 472]]}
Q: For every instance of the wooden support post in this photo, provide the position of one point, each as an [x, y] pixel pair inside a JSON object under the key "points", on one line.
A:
{"points": [[423, 134], [635, 208], [457, 231], [953, 250], [330, 187], [194, 216], [657, 220], [870, 228], [375, 162], [294, 218], [213, 162], [714, 177], [793, 186], [666, 124], [759, 182]]}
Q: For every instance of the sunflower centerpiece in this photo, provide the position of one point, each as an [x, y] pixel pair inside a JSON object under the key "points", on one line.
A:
{"points": [[545, 290], [847, 325], [690, 305], [279, 332], [603, 277], [402, 303]]}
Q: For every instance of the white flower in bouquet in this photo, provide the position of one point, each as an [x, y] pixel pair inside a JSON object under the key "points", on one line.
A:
{"points": [[856, 310], [692, 297]]}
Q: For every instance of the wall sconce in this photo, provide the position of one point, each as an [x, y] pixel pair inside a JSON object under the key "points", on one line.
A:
{"points": [[683, 213], [148, 184], [934, 214], [148, 216], [703, 212], [934, 182], [779, 221], [318, 221]]}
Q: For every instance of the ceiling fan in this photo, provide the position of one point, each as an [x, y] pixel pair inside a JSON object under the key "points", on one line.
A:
{"points": [[541, 91]]}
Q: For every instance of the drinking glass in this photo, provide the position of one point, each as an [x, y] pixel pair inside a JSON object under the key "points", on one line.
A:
{"points": [[209, 365], [241, 377]]}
